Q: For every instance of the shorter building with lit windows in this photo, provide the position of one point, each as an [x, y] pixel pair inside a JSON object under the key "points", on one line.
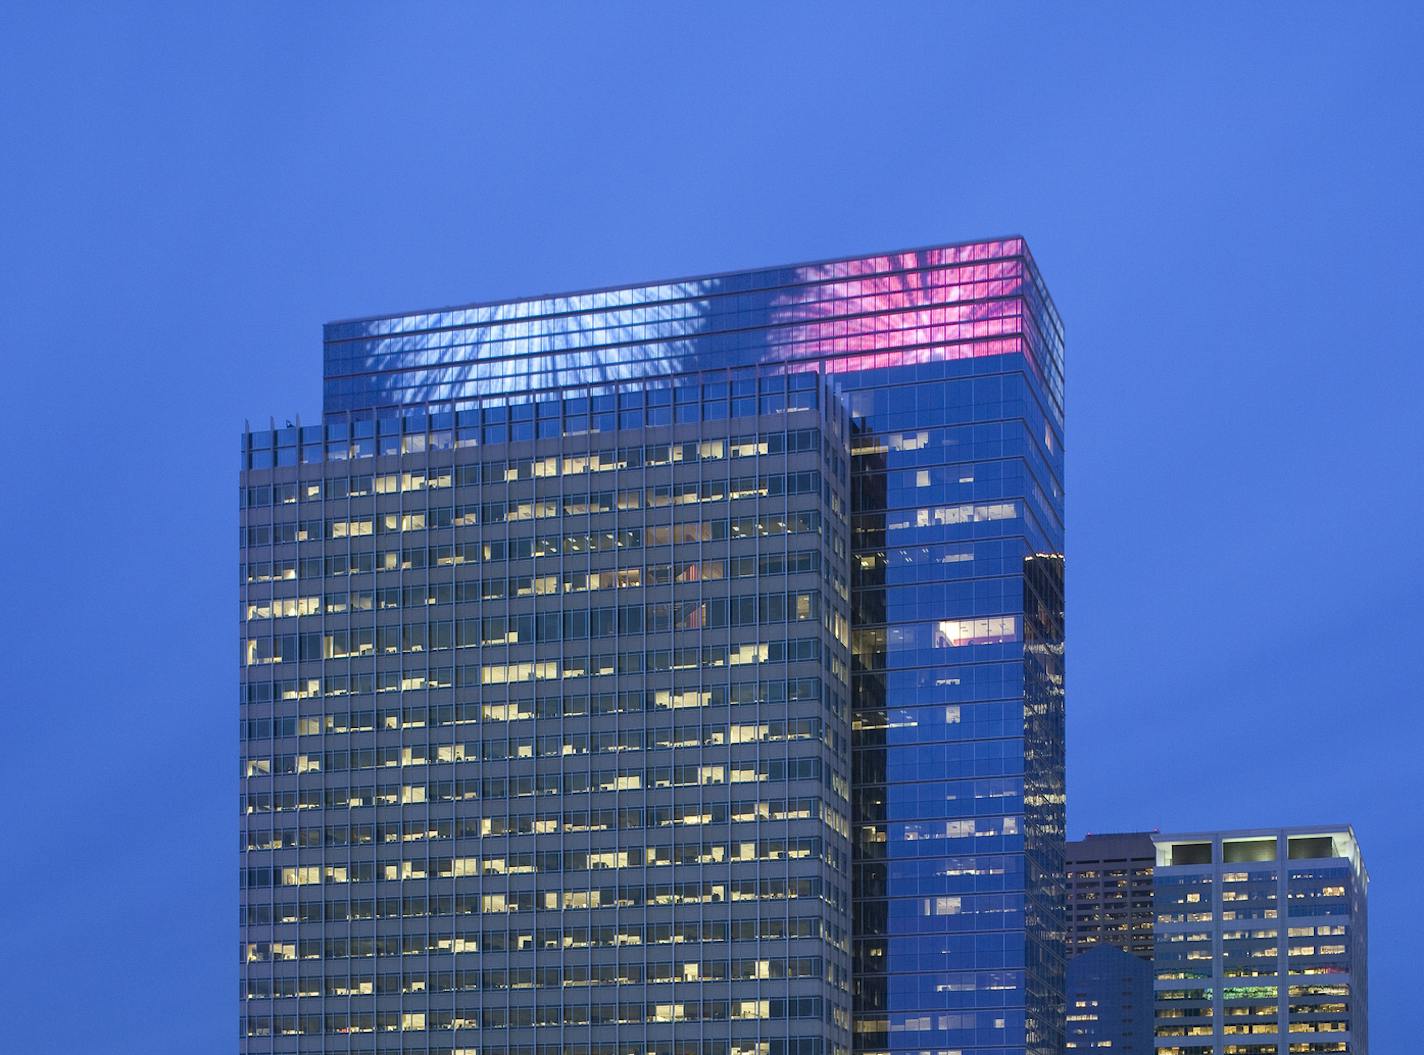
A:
{"points": [[1109, 1002], [1109, 942], [1110, 892], [1260, 942]]}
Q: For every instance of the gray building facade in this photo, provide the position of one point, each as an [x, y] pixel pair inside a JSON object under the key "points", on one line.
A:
{"points": [[1261, 942], [665, 670]]}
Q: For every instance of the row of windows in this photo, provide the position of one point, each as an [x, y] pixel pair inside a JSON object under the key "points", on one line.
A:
{"points": [[499, 432], [1254, 1028], [679, 697], [336, 983], [470, 591], [764, 771], [906, 437], [630, 1046], [1254, 992], [907, 565], [1254, 1049], [1324, 1048], [1327, 905], [544, 1015], [1249, 951], [763, 811], [548, 862], [568, 900], [1269, 1009], [467, 554], [573, 425], [1252, 950], [435, 518], [593, 666], [503, 353], [689, 731], [870, 526], [359, 562], [408, 678], [565, 976], [779, 927], [560, 745], [587, 936], [705, 773], [490, 472], [341, 682], [1170, 972], [550, 705], [1323, 930], [633, 1046], [564, 624]]}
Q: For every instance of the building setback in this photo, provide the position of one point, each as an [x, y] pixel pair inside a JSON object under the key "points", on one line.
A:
{"points": [[1261, 942], [665, 670]]}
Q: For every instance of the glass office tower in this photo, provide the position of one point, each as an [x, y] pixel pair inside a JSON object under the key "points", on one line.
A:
{"points": [[665, 670]]}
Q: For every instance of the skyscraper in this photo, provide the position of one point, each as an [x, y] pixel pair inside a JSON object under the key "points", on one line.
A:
{"points": [[1261, 942], [665, 670]]}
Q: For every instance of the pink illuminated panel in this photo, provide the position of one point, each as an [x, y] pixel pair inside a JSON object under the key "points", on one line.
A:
{"points": [[959, 302]]}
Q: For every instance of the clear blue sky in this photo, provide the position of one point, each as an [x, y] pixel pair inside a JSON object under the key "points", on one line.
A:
{"points": [[1226, 202]]}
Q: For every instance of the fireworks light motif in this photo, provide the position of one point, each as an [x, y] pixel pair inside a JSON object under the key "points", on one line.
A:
{"points": [[959, 302]]}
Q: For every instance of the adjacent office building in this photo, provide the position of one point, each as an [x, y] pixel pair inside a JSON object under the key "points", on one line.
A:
{"points": [[1261, 942], [1109, 880], [1109, 999], [1109, 943], [674, 669]]}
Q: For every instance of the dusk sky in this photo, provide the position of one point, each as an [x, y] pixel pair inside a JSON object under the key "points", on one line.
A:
{"points": [[1225, 201]]}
